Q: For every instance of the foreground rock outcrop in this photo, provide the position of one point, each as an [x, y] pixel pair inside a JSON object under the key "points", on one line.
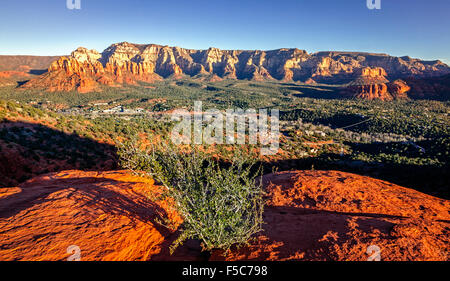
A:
{"points": [[106, 215], [330, 215], [126, 63], [311, 215]]}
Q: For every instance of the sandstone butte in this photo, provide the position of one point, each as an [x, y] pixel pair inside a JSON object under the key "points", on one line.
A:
{"points": [[310, 215], [371, 84]]}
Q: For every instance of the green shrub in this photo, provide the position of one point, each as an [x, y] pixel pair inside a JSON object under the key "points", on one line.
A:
{"points": [[221, 205]]}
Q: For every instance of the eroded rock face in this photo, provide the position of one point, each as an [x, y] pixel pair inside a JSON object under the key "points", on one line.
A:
{"points": [[371, 92], [399, 89], [372, 84], [369, 84], [127, 63], [310, 215], [86, 70], [374, 73], [337, 67], [83, 55]]}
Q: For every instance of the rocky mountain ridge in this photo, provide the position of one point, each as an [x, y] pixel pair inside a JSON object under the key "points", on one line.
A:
{"points": [[85, 70]]}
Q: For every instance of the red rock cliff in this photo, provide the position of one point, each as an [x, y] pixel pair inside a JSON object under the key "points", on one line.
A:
{"points": [[128, 63]]}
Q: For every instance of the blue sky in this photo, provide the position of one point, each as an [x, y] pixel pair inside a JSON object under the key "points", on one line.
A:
{"points": [[418, 28]]}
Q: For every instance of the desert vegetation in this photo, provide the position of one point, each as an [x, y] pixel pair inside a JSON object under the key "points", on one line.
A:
{"points": [[221, 204]]}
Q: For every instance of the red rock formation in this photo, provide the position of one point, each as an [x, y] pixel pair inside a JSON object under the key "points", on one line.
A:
{"points": [[371, 92], [310, 81], [329, 215], [106, 215], [398, 89], [129, 63], [86, 74], [311, 215], [371, 84], [376, 72]]}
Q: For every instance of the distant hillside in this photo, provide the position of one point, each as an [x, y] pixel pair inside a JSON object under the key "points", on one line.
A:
{"points": [[431, 88], [33, 142], [26, 63]]}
